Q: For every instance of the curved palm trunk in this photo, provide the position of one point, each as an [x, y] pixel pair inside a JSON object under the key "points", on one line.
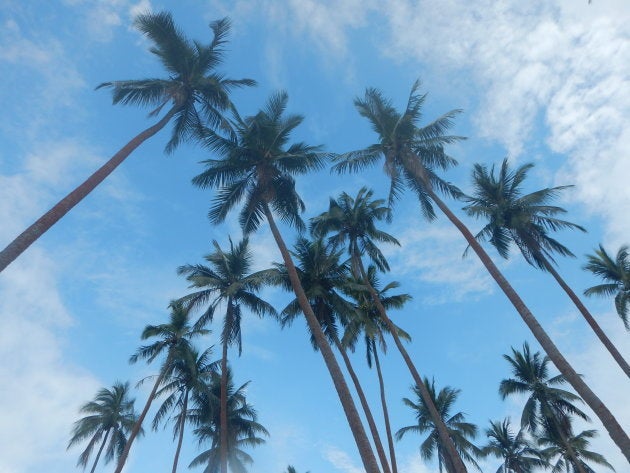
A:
{"points": [[388, 427], [46, 221], [180, 440], [612, 349], [366, 407], [452, 455], [350, 410], [223, 435], [100, 450], [615, 430]]}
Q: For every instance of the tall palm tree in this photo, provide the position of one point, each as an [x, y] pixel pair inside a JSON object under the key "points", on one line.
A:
{"points": [[460, 431], [227, 280], [196, 93], [191, 373], [257, 166], [616, 273], [412, 155], [516, 451], [575, 458], [323, 276], [174, 339], [243, 428], [110, 417], [353, 222], [526, 220]]}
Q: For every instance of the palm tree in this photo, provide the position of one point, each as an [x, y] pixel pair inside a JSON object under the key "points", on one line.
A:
{"points": [[517, 452], [227, 281], [243, 428], [195, 92], [412, 155], [257, 167], [573, 459], [191, 373], [174, 339], [616, 273], [460, 431], [323, 276], [110, 417], [526, 219], [354, 221]]}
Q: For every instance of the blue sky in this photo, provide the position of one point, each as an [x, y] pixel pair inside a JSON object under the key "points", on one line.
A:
{"points": [[544, 83]]}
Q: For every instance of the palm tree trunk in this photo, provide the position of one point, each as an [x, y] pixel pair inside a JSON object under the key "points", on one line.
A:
{"points": [[615, 430], [100, 450], [46, 221], [138, 425], [350, 410], [440, 426], [180, 440], [223, 434], [366, 408], [388, 427], [623, 364]]}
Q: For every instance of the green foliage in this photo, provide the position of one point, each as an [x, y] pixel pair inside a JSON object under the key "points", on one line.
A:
{"points": [[516, 451]]}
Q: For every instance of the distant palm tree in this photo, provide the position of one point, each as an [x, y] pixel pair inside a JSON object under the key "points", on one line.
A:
{"points": [[526, 220], [516, 451], [291, 469], [227, 281], [616, 273], [571, 455], [460, 431], [257, 166], [196, 93], [110, 417]]}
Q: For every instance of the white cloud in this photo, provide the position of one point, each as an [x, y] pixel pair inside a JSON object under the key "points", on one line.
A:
{"points": [[340, 460]]}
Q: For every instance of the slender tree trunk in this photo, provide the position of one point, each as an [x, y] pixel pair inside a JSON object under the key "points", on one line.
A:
{"points": [[615, 430], [388, 427], [456, 461], [180, 439], [623, 364], [100, 450], [138, 425], [46, 221], [366, 408], [223, 434], [350, 410]]}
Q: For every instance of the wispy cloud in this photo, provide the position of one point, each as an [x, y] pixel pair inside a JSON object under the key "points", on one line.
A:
{"points": [[340, 460]]}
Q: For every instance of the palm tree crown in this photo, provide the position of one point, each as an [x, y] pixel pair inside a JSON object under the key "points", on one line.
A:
{"points": [[517, 452], [571, 455]]}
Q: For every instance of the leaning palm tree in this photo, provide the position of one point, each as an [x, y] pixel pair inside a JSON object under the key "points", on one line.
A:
{"points": [[196, 93], [571, 455], [174, 339], [413, 154], [352, 221], [516, 451], [616, 273], [227, 280], [257, 166], [110, 417], [460, 431], [526, 220]]}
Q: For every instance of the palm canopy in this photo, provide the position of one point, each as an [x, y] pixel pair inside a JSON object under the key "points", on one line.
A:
{"points": [[198, 94], [353, 222], [412, 153], [517, 452], [547, 405], [110, 417], [616, 273], [460, 431], [571, 455], [525, 219], [257, 165]]}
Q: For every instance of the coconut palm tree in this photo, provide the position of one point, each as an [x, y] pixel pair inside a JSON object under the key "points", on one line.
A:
{"points": [[413, 154], [244, 430], [571, 455], [352, 221], [516, 451], [110, 417], [616, 273], [526, 220], [257, 166], [191, 373], [195, 92], [460, 431], [173, 340], [227, 280]]}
